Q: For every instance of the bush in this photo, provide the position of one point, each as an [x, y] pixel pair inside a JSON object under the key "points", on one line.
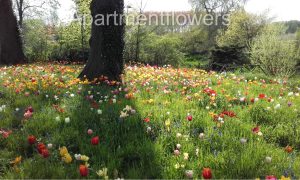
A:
{"points": [[228, 58], [161, 50], [272, 54]]}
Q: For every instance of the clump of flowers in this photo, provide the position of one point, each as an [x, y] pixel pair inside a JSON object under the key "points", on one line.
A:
{"points": [[65, 156], [103, 173]]}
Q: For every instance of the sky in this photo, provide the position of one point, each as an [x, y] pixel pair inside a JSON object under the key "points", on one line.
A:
{"points": [[281, 10]]}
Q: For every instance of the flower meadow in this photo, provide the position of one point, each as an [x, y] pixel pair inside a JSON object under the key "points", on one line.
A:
{"points": [[160, 122]]}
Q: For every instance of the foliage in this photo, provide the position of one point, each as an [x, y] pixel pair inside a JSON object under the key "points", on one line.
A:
{"points": [[162, 50], [243, 28], [272, 54], [292, 26], [37, 40], [195, 41], [228, 58]]}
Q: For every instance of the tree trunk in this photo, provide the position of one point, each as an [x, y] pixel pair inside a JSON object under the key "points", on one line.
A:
{"points": [[107, 44], [10, 42]]}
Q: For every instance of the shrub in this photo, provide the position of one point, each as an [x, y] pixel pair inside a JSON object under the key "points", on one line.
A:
{"points": [[272, 54], [162, 50], [228, 58]]}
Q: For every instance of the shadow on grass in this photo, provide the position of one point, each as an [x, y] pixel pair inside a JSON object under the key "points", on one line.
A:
{"points": [[125, 148]]}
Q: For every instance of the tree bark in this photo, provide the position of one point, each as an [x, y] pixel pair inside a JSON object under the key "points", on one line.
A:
{"points": [[11, 52], [106, 42]]}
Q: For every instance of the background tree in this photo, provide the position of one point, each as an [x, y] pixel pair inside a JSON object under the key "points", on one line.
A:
{"points": [[107, 44], [10, 43], [242, 29], [217, 9], [29, 8]]}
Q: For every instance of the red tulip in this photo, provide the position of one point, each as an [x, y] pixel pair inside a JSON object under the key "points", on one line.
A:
{"points": [[147, 120], [256, 130], [262, 96], [190, 118], [41, 147], [271, 177], [31, 139], [30, 109], [84, 171], [45, 153], [95, 140], [206, 173]]}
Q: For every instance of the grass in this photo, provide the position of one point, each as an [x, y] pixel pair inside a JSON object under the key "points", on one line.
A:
{"points": [[163, 110]]}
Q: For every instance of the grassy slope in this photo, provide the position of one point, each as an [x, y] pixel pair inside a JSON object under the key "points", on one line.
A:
{"points": [[126, 148]]}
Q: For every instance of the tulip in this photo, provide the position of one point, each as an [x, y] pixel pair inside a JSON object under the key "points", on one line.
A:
{"points": [[189, 174], [31, 139], [189, 117], [90, 132], [206, 173], [176, 152], [268, 159], [45, 153], [95, 140], [84, 171]]}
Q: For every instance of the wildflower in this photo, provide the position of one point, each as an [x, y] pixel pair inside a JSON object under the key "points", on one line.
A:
{"points": [[197, 152], [256, 130], [83, 170], [146, 120], [41, 147], [177, 166], [99, 111], [268, 159], [67, 158], [124, 114], [5, 134], [77, 157], [50, 146], [206, 173], [189, 174], [95, 140], [262, 96], [57, 119], [176, 152], [149, 129], [28, 115], [31, 139], [277, 106], [271, 177], [290, 94], [63, 151], [189, 118], [84, 158], [243, 140], [168, 124], [102, 173], [45, 153], [288, 149], [178, 146], [201, 136], [185, 156], [178, 135], [90, 132], [67, 120], [285, 178], [16, 161]]}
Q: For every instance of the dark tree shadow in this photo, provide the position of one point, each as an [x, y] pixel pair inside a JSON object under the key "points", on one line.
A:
{"points": [[125, 147]]}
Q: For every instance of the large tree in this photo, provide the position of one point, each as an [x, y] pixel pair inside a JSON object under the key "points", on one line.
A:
{"points": [[107, 44], [10, 42]]}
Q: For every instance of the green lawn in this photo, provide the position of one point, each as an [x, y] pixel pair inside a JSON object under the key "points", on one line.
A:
{"points": [[161, 123]]}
